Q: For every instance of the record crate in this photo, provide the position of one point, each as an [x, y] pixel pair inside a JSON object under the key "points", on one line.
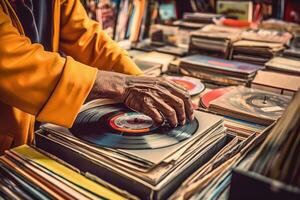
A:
{"points": [[249, 185]]}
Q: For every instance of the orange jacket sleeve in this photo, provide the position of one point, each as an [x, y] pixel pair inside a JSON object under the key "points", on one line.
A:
{"points": [[38, 82], [83, 39]]}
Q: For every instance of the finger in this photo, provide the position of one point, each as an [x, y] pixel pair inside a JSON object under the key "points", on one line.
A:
{"points": [[152, 112], [135, 101], [180, 87], [183, 95], [151, 101], [176, 103], [168, 112]]}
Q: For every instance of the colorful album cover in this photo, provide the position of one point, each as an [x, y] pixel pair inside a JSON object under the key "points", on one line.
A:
{"points": [[221, 64]]}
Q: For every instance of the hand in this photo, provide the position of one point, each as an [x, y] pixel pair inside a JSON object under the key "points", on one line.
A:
{"points": [[158, 98]]}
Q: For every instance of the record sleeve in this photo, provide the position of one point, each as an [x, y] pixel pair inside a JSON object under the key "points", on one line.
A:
{"points": [[208, 97], [284, 65], [219, 66], [251, 105]]}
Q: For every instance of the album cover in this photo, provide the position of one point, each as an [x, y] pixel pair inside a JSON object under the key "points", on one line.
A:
{"points": [[252, 105], [276, 82], [236, 9], [159, 58], [149, 68], [284, 65], [264, 35], [213, 78]]}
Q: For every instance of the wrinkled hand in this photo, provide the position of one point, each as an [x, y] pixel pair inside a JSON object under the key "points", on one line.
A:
{"points": [[158, 98]]}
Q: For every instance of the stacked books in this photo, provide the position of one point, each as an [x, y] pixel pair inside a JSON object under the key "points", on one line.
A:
{"points": [[255, 52], [284, 65], [217, 70], [214, 40]]}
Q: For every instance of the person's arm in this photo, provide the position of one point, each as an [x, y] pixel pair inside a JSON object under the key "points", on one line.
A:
{"points": [[38, 82], [83, 39]]}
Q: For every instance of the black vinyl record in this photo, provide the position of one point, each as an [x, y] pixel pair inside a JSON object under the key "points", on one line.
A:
{"points": [[116, 126]]}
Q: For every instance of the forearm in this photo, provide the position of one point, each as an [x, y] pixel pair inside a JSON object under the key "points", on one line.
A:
{"points": [[109, 85]]}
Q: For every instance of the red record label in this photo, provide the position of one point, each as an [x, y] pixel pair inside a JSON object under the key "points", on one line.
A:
{"points": [[212, 95], [131, 122], [186, 84], [193, 85]]}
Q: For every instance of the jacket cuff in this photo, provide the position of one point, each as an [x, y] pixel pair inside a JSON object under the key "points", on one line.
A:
{"points": [[126, 65], [70, 93]]}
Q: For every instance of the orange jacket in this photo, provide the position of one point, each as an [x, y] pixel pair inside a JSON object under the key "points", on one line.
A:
{"points": [[35, 83]]}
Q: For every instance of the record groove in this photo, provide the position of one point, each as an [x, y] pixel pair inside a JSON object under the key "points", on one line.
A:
{"points": [[116, 126]]}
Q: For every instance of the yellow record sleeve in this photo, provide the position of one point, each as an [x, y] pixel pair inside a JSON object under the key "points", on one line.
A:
{"points": [[67, 173]]}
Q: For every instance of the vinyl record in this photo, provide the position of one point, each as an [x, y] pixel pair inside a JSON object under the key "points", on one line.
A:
{"points": [[193, 85], [116, 126], [212, 95], [262, 103]]}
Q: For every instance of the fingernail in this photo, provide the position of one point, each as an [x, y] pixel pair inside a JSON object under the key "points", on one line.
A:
{"points": [[182, 122], [159, 120], [174, 125], [192, 117]]}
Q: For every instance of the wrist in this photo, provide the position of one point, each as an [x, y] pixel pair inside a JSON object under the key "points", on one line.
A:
{"points": [[109, 85]]}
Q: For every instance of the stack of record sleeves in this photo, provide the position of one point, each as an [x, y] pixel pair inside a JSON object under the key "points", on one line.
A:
{"points": [[214, 40], [218, 70], [131, 152], [28, 174]]}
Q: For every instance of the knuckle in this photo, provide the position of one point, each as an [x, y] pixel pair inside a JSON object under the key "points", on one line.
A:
{"points": [[165, 82], [179, 101], [187, 96], [171, 113]]}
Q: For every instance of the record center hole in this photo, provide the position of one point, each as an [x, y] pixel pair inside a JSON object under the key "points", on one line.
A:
{"points": [[137, 120], [265, 100]]}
